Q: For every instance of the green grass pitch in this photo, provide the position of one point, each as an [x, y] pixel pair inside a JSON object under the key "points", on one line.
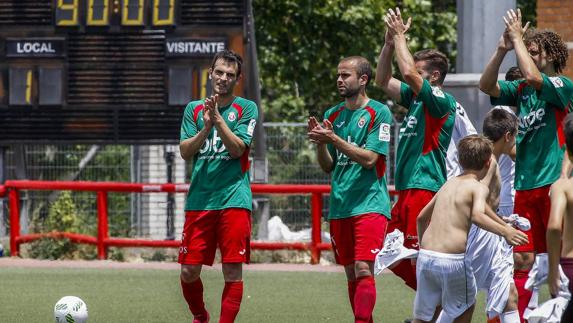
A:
{"points": [[128, 295]]}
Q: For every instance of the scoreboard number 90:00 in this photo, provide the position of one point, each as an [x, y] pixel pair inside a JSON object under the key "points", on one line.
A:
{"points": [[132, 12]]}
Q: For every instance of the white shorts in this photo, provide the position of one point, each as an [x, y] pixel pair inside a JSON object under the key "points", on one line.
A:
{"points": [[492, 265], [443, 279]]}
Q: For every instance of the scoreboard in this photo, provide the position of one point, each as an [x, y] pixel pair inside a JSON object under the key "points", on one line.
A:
{"points": [[109, 71]]}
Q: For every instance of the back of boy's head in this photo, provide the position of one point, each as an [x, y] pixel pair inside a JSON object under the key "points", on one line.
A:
{"points": [[569, 133], [513, 73], [497, 123], [474, 152]]}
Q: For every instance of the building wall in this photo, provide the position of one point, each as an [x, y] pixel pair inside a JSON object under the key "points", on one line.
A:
{"points": [[557, 15]]}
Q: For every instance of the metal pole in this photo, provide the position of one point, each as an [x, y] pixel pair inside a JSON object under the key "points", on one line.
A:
{"points": [[169, 155]]}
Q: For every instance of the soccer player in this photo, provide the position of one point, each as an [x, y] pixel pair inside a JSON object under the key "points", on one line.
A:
{"points": [[352, 145], [216, 134], [560, 228], [542, 101], [425, 133], [444, 272]]}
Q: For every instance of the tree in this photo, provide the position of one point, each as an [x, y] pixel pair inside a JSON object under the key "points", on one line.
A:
{"points": [[300, 43]]}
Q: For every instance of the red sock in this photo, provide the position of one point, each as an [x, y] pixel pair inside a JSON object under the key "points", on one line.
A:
{"points": [[193, 293], [364, 299], [351, 293], [524, 295], [231, 301], [407, 272]]}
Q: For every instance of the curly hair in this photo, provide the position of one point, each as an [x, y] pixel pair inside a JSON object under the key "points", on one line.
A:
{"points": [[553, 45]]}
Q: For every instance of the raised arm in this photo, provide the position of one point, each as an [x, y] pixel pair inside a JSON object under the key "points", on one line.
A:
{"points": [[554, 232], [397, 29], [488, 80], [384, 78], [526, 64]]}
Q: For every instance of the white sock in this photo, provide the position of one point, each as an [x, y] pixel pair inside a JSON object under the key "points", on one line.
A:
{"points": [[509, 317]]}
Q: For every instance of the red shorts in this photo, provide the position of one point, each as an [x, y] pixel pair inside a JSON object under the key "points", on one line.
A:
{"points": [[405, 213], [204, 230], [358, 238], [535, 206]]}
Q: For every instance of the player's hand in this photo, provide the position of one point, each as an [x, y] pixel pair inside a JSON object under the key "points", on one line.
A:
{"points": [[212, 106], [513, 25], [554, 284], [207, 123], [395, 23], [504, 43], [515, 237], [312, 124], [322, 134]]}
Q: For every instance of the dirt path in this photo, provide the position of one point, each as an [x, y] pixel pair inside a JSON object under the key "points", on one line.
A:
{"points": [[13, 262]]}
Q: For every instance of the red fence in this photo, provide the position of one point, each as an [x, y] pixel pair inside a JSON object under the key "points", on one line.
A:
{"points": [[103, 241]]}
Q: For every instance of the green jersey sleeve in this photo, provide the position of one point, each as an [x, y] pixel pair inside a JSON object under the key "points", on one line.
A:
{"points": [[406, 95], [508, 93], [378, 139], [437, 102], [188, 124], [246, 125], [557, 90]]}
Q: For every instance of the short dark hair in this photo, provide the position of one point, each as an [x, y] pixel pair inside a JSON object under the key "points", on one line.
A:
{"points": [[474, 151], [514, 73], [553, 45], [568, 127], [363, 67], [436, 60], [497, 123], [230, 57]]}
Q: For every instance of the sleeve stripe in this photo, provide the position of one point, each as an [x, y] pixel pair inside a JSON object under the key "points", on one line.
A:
{"points": [[520, 87], [239, 110], [372, 116], [333, 116], [196, 112]]}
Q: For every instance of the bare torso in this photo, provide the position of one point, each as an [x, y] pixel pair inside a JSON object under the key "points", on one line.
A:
{"points": [[450, 221], [567, 242], [493, 181]]}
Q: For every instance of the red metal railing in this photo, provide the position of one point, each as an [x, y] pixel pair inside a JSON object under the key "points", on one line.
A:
{"points": [[103, 241]]}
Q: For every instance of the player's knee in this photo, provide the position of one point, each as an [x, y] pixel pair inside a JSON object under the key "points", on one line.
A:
{"points": [[362, 269], [233, 272], [190, 273], [523, 260]]}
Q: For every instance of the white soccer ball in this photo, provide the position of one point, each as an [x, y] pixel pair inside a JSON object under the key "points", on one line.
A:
{"points": [[71, 309]]}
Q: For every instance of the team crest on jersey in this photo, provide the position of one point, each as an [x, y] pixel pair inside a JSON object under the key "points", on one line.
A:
{"points": [[437, 92], [232, 116], [557, 81], [361, 122]]}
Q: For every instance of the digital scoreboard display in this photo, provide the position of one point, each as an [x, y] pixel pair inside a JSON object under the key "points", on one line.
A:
{"points": [[108, 71]]}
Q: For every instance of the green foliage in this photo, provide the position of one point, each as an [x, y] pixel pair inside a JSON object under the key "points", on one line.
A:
{"points": [[62, 216], [528, 10], [300, 43]]}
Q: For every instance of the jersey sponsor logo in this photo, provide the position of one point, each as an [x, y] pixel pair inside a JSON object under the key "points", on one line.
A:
{"points": [[525, 97], [251, 127], [533, 117], [214, 144], [411, 122], [436, 91], [232, 116], [342, 159], [361, 122], [384, 133], [557, 81], [338, 125]]}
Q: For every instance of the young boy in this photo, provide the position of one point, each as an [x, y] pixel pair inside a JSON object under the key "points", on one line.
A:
{"points": [[443, 272], [560, 227]]}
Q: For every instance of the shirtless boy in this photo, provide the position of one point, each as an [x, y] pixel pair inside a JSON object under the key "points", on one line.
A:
{"points": [[444, 274]]}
